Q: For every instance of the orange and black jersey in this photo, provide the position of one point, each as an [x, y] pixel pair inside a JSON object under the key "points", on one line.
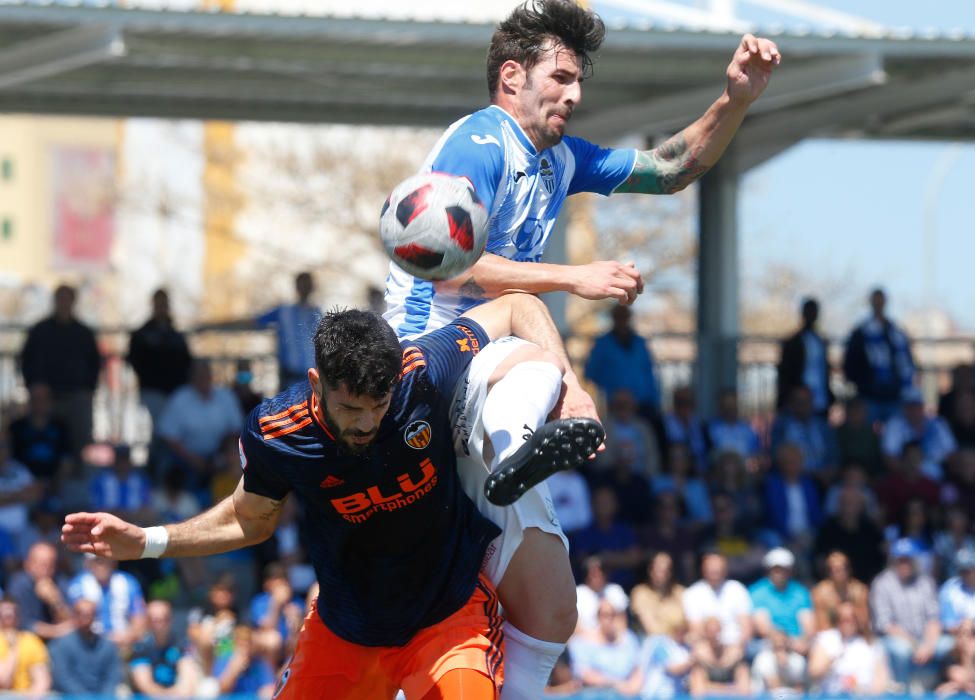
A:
{"points": [[395, 542]]}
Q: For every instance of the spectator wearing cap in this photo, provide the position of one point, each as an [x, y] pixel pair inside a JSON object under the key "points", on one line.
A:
{"points": [[716, 596], [605, 656], [621, 359], [905, 613], [84, 662], [122, 489], [878, 359], [803, 361], [72, 376], [957, 595], [911, 424], [24, 662], [779, 602], [118, 597], [594, 589]]}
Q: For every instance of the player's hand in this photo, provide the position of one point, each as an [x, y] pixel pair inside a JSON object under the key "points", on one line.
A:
{"points": [[607, 279], [102, 534], [751, 68]]}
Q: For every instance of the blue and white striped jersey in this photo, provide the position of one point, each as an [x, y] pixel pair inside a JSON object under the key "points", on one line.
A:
{"points": [[523, 191]]}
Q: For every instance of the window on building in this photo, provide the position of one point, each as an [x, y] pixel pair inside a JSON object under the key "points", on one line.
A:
{"points": [[6, 169], [6, 229]]}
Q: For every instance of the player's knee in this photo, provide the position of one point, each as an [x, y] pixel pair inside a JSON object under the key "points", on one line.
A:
{"points": [[533, 353]]}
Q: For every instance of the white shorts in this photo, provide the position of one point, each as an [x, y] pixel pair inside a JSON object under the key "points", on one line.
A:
{"points": [[535, 508]]}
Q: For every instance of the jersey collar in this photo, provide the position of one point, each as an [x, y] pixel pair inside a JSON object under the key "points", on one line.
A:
{"points": [[518, 131], [316, 413]]}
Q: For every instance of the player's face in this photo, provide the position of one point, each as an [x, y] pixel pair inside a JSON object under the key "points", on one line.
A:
{"points": [[354, 417], [549, 93]]}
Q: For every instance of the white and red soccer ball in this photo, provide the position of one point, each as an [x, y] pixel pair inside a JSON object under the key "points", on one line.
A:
{"points": [[434, 226]]}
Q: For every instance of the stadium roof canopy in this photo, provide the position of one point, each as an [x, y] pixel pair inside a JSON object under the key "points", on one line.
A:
{"points": [[396, 64]]}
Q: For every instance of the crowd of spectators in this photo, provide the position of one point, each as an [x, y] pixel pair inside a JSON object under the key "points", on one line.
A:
{"points": [[159, 628], [829, 548]]}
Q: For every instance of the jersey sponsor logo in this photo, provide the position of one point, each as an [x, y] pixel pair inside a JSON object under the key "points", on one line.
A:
{"points": [[330, 482], [485, 140], [417, 434], [359, 507], [530, 235], [469, 344]]}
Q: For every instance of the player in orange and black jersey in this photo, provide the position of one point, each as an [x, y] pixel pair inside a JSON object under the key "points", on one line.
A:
{"points": [[366, 446]]}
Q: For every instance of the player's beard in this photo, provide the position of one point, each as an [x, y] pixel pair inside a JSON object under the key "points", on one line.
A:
{"points": [[341, 436]]}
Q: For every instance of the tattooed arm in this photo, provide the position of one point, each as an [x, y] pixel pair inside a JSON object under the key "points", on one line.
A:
{"points": [[240, 520], [492, 276], [684, 158]]}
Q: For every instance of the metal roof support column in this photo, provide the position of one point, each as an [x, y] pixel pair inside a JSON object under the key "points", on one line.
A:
{"points": [[717, 283]]}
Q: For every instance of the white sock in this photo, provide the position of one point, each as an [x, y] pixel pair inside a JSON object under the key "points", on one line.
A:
{"points": [[523, 397], [528, 663]]}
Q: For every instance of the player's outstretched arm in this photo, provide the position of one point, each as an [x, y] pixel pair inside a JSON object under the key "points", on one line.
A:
{"points": [[493, 276], [685, 157], [240, 520]]}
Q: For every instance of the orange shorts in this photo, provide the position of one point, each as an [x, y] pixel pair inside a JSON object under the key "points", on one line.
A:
{"points": [[327, 667]]}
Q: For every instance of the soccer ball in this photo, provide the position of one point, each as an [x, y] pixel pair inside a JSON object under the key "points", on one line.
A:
{"points": [[433, 225]]}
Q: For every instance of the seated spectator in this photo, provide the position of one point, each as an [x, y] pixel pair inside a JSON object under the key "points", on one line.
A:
{"points": [[727, 432], [226, 468], [850, 531], [960, 489], [594, 589], [678, 477], [39, 594], [246, 667], [716, 596], [605, 656], [719, 667], [40, 441], [211, 627], [658, 603], [839, 586], [243, 387], [792, 500], [856, 439], [561, 682], [632, 491], [122, 489], [160, 666], [736, 539], [84, 662], [907, 482], [956, 599], [572, 499], [799, 424], [18, 490], [780, 603], [853, 476], [24, 663], [118, 596], [629, 439], [960, 674], [195, 419], [911, 424], [731, 476], [905, 613], [844, 659], [667, 535], [778, 667], [682, 426], [277, 607], [613, 540], [955, 537], [962, 421], [661, 669], [914, 527]]}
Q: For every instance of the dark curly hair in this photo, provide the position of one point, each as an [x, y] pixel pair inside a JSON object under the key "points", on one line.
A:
{"points": [[522, 36], [359, 349]]}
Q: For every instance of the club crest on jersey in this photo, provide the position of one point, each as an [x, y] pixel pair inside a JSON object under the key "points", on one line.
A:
{"points": [[548, 175], [417, 434]]}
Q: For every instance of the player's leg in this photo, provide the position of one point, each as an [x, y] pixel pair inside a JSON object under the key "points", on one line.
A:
{"points": [[463, 684]]}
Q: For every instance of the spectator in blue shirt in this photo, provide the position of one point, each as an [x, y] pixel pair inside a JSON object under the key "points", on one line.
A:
{"points": [[799, 424], [781, 603], [615, 542], [160, 665], [682, 426], [118, 597], [85, 662], [294, 325], [277, 608], [911, 424], [792, 501], [122, 489], [40, 441], [607, 656], [621, 359], [661, 669], [727, 432], [957, 596]]}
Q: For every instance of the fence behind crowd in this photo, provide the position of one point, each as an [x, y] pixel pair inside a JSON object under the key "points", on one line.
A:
{"points": [[119, 417]]}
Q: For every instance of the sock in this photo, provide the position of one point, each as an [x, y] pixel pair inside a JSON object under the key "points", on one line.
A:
{"points": [[528, 663], [520, 402]]}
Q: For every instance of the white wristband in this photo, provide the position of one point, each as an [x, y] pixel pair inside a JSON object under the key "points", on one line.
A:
{"points": [[157, 539]]}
